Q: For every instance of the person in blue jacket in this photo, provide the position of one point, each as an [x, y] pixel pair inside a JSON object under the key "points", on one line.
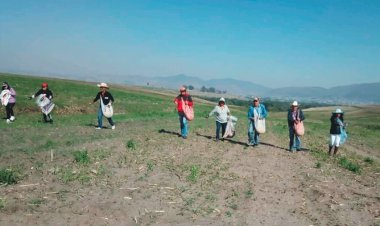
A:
{"points": [[255, 112], [295, 115]]}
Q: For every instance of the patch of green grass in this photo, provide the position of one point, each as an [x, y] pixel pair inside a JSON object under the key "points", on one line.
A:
{"points": [[81, 157], [345, 163], [2, 203], [150, 165], [249, 193], [131, 145], [101, 154], [37, 202], [194, 173], [8, 176], [68, 175], [369, 160], [318, 165], [229, 214]]}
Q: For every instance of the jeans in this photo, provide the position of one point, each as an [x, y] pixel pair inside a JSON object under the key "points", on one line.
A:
{"points": [[9, 110], [183, 124], [100, 118], [218, 126], [253, 135], [295, 141]]}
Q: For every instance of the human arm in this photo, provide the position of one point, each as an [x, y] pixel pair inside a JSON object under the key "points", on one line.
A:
{"points": [[264, 112]]}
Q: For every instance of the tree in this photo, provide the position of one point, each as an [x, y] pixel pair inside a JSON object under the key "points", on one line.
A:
{"points": [[211, 90], [191, 87], [204, 89]]}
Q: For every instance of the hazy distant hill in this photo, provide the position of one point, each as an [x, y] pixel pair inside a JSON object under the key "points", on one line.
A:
{"points": [[357, 93]]}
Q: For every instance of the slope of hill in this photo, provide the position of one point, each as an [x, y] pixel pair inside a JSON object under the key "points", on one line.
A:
{"points": [[143, 173]]}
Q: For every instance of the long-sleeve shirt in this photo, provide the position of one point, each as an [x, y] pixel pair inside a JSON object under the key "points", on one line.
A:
{"points": [[186, 98], [255, 112], [12, 99], [48, 93], [295, 115], [106, 97], [220, 113]]}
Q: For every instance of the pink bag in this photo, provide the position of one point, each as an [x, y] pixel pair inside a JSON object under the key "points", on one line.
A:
{"points": [[299, 129], [188, 110]]}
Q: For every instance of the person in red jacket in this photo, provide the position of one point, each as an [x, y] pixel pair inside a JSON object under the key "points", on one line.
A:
{"points": [[183, 98]]}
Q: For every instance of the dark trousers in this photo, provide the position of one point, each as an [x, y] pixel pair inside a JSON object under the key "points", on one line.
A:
{"points": [[47, 118], [9, 110], [218, 126]]}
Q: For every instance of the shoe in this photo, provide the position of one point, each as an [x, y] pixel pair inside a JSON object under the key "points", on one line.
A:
{"points": [[8, 121], [113, 127], [184, 137], [98, 127], [12, 118]]}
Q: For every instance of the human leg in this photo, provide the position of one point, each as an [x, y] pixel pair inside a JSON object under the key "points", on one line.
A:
{"points": [[100, 118], [224, 126], [218, 126], [291, 139], [250, 133]]}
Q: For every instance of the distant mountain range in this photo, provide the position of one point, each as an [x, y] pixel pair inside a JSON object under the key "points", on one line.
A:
{"points": [[367, 93]]}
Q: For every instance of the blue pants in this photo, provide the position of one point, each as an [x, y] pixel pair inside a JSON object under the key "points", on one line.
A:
{"points": [[220, 125], [253, 135], [295, 141], [183, 124], [100, 118]]}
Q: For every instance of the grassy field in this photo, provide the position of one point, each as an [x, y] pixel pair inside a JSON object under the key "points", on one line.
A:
{"points": [[142, 173]]}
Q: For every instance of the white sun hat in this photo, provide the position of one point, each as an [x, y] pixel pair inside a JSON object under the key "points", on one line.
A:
{"points": [[102, 84], [295, 103], [222, 100], [338, 111]]}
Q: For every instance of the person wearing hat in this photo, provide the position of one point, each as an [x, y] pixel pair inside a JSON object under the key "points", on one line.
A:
{"points": [[11, 102], [183, 98], [107, 98], [49, 94], [295, 115], [255, 112], [337, 125], [221, 112]]}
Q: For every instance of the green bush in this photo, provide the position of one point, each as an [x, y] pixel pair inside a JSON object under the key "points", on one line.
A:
{"points": [[81, 157], [8, 176], [351, 166]]}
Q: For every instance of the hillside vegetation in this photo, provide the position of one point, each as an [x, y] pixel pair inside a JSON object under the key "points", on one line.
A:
{"points": [[142, 173]]}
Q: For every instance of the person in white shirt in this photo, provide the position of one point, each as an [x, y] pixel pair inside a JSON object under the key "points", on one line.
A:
{"points": [[221, 113]]}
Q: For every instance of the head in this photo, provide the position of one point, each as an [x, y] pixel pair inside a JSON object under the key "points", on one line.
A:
{"points": [[294, 106], [44, 85], [5, 86], [338, 113], [256, 101], [222, 102], [182, 90]]}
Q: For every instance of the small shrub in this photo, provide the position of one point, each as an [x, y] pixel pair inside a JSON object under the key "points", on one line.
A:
{"points": [[351, 166], [8, 176], [369, 160], [194, 173], [2, 203], [131, 145], [318, 165], [248, 193], [81, 157], [150, 165]]}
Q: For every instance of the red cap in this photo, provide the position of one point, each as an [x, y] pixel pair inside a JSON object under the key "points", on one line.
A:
{"points": [[44, 85]]}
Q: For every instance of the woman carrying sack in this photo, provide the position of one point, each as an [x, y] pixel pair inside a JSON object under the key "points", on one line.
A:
{"points": [[337, 131], [181, 100], [11, 102], [295, 123], [221, 112], [106, 99], [256, 115]]}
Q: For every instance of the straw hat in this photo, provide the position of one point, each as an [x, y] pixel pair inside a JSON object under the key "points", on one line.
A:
{"points": [[295, 104], [338, 111], [103, 85]]}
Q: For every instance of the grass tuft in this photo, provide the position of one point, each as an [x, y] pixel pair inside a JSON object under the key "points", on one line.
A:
{"points": [[8, 176], [345, 163], [131, 145], [81, 157], [369, 160], [194, 173]]}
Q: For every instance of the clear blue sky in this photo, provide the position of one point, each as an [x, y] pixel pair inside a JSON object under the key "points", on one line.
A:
{"points": [[272, 43]]}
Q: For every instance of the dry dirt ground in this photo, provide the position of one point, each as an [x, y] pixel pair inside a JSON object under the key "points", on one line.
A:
{"points": [[162, 179]]}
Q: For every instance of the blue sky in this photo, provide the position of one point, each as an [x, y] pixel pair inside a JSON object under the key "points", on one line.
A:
{"points": [[272, 43]]}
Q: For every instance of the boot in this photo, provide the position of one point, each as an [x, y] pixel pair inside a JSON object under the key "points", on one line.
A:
{"points": [[330, 150], [335, 150]]}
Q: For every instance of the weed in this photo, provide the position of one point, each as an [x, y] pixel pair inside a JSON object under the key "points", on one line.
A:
{"points": [[233, 206], [49, 144], [67, 175], [101, 154], [36, 202], [194, 173], [2, 203], [249, 193], [8, 176], [150, 165], [211, 197], [81, 157], [369, 160], [229, 214], [131, 145], [318, 165], [189, 201], [351, 166]]}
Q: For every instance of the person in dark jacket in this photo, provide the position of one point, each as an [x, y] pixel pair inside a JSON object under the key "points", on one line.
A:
{"points": [[183, 98], [107, 98], [337, 124], [48, 94], [11, 102], [295, 115]]}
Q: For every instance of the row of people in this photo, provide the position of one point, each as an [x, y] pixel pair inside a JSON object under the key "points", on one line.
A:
{"points": [[257, 111]]}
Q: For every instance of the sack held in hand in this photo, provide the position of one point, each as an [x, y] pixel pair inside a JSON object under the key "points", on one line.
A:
{"points": [[260, 125], [187, 110], [299, 129]]}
